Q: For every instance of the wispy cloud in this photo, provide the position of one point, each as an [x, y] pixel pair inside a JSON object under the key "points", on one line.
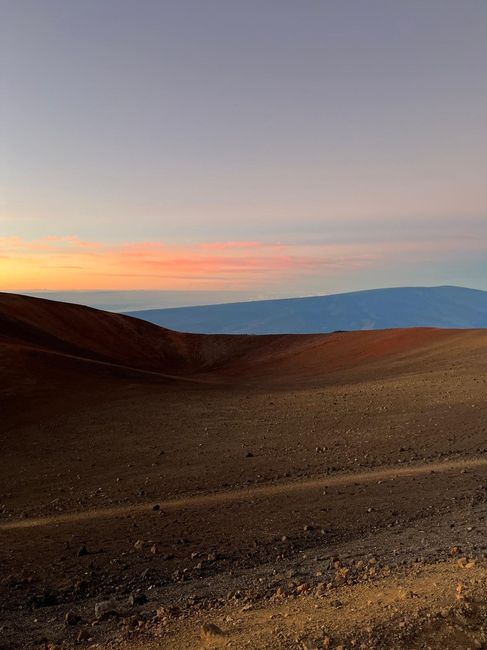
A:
{"points": [[212, 265], [68, 262]]}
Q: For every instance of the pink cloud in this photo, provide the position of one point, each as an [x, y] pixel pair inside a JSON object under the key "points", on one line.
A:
{"points": [[218, 265]]}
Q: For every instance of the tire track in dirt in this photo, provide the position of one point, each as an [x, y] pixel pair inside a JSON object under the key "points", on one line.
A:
{"points": [[249, 493]]}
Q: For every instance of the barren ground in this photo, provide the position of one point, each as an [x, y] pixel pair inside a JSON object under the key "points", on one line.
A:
{"points": [[295, 492]]}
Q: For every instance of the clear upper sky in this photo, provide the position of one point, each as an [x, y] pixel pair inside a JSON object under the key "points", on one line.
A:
{"points": [[277, 146]]}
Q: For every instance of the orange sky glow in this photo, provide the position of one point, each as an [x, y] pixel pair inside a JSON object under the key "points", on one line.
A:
{"points": [[268, 148], [71, 263]]}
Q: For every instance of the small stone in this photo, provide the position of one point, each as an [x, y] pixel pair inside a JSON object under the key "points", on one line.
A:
{"points": [[211, 633], [172, 611], [139, 545], [249, 454], [321, 590], [105, 609], [466, 563], [131, 621], [46, 599], [82, 551], [156, 507], [83, 635], [279, 594], [72, 618], [154, 549], [247, 607], [80, 586], [137, 599]]}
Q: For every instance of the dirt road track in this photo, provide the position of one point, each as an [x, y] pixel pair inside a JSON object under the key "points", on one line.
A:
{"points": [[256, 492]]}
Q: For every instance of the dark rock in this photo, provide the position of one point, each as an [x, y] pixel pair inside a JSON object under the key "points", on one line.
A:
{"points": [[72, 618], [137, 599], [84, 635], [46, 599], [210, 633]]}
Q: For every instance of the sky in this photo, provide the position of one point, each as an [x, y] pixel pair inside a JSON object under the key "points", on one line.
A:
{"points": [[255, 148]]}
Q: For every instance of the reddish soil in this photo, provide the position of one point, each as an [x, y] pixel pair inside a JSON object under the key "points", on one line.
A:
{"points": [[268, 457]]}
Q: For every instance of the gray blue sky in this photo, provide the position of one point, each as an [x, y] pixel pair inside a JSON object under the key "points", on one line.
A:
{"points": [[271, 147]]}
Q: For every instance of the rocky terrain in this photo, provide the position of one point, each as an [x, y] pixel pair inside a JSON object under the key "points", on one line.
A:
{"points": [[166, 490]]}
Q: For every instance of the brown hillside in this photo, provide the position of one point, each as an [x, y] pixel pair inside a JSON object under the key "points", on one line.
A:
{"points": [[273, 485], [95, 335]]}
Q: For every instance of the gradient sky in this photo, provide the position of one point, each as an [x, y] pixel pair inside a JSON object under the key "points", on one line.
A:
{"points": [[272, 146]]}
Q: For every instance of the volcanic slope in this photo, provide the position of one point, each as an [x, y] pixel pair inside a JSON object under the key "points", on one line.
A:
{"points": [[43, 328], [211, 472]]}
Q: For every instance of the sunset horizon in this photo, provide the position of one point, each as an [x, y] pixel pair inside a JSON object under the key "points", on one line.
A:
{"points": [[242, 147]]}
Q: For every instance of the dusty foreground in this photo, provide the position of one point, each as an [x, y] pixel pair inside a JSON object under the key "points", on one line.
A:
{"points": [[161, 490]]}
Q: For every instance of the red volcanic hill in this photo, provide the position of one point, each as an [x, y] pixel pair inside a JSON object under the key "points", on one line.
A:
{"points": [[87, 333], [42, 341]]}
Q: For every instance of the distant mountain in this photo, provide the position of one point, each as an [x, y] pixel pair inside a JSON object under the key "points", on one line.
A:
{"points": [[454, 307]]}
